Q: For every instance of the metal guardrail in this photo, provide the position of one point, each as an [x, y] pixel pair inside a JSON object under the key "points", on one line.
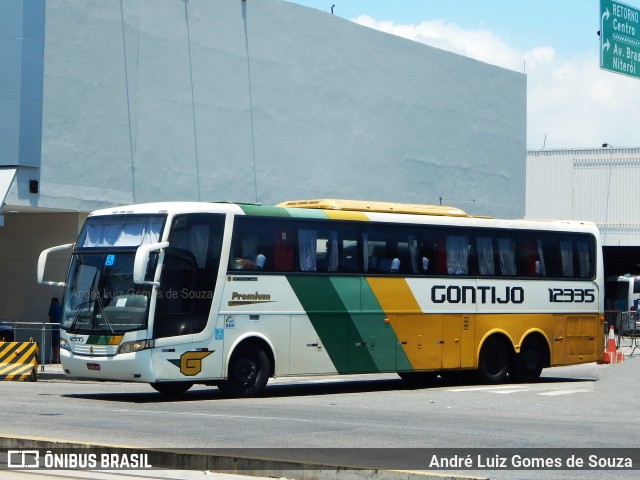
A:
{"points": [[40, 332], [626, 325]]}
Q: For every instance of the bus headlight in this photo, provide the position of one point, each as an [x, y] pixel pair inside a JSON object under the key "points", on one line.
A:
{"points": [[135, 346], [64, 344]]}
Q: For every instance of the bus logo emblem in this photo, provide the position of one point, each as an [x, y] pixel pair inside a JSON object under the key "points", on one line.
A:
{"points": [[190, 363]]}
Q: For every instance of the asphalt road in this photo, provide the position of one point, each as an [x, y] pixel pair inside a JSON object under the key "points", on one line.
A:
{"points": [[586, 406]]}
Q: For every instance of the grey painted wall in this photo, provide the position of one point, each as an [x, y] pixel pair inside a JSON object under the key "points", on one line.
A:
{"points": [[266, 101], [21, 61]]}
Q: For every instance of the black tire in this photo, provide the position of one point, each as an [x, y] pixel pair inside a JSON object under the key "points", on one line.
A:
{"points": [[171, 388], [418, 378], [249, 371], [494, 361], [528, 364]]}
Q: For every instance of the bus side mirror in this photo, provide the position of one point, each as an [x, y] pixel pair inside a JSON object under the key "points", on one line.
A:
{"points": [[42, 263], [141, 263]]}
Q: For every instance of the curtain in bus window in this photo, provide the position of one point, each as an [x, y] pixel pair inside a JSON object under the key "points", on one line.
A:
{"points": [[101, 234], [333, 255], [283, 259], [485, 256], [566, 257], [540, 267], [507, 256], [121, 232], [457, 254], [307, 241], [584, 260], [138, 233]]}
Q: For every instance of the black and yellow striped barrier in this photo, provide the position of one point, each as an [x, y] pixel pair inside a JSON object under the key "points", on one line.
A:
{"points": [[19, 361]]}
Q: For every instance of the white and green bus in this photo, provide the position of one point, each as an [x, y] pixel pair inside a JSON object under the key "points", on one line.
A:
{"points": [[181, 293]]}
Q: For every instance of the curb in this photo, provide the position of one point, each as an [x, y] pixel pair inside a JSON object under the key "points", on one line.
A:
{"points": [[52, 372], [238, 464]]}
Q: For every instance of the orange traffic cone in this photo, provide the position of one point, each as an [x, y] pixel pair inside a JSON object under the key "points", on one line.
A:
{"points": [[611, 353]]}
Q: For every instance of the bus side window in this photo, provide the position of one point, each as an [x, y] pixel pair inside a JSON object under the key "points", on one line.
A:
{"points": [[486, 257], [531, 266], [390, 250], [566, 258], [247, 251], [507, 256], [310, 253], [430, 261], [457, 254], [584, 252]]}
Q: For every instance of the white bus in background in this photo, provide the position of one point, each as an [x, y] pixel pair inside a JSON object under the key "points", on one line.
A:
{"points": [[622, 302]]}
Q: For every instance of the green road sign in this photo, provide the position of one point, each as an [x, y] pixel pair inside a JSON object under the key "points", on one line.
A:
{"points": [[619, 38]]}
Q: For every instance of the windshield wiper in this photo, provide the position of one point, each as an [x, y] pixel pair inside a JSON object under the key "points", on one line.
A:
{"points": [[84, 302], [79, 311], [104, 315]]}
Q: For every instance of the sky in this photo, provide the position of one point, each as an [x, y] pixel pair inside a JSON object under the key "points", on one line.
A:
{"points": [[571, 102]]}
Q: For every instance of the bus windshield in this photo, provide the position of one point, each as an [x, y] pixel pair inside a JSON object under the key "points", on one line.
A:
{"points": [[101, 297], [120, 231]]}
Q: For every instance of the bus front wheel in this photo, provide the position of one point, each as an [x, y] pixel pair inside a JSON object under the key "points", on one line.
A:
{"points": [[494, 361], [249, 370]]}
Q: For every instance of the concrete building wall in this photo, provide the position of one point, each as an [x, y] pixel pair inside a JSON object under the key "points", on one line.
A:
{"points": [[597, 185], [266, 101], [21, 57]]}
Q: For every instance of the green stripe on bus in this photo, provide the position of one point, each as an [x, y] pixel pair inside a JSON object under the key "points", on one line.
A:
{"points": [[357, 339], [307, 213], [260, 211], [98, 340], [387, 352], [327, 314]]}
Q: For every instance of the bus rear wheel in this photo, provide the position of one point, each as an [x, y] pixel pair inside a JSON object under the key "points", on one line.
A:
{"points": [[249, 371], [494, 361], [527, 365], [171, 388]]}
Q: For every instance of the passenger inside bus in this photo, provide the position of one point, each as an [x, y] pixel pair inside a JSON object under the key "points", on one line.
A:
{"points": [[389, 265], [249, 262]]}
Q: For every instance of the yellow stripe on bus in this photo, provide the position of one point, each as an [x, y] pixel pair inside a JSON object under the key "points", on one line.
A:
{"points": [[346, 215], [416, 332]]}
